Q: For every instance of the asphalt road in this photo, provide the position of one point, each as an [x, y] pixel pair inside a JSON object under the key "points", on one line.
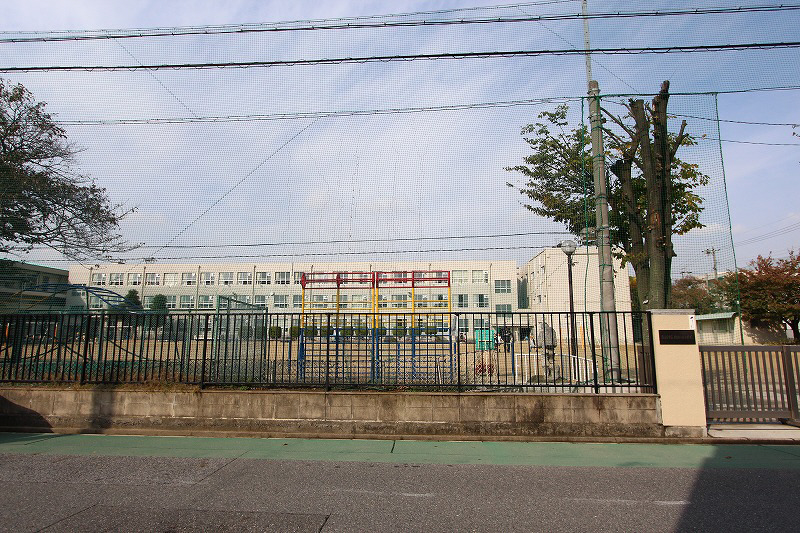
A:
{"points": [[106, 483]]}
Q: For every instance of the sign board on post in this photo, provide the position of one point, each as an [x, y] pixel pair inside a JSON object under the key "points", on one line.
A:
{"points": [[676, 336]]}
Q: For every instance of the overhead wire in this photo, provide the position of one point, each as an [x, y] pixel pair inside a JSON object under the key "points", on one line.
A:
{"points": [[319, 254], [679, 49], [770, 234], [346, 24]]}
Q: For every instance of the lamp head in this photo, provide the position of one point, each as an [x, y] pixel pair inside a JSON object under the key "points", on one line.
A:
{"points": [[568, 247]]}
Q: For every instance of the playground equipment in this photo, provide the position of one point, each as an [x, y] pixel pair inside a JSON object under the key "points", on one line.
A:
{"points": [[396, 323], [109, 299]]}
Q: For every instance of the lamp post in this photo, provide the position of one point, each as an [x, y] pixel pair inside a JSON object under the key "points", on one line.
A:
{"points": [[569, 247]]}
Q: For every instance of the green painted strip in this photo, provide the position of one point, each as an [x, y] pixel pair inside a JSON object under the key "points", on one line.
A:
{"points": [[409, 451]]}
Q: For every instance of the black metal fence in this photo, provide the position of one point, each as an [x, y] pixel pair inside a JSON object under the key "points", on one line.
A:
{"points": [[550, 352]]}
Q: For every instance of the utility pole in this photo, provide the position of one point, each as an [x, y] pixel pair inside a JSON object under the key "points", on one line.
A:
{"points": [[608, 319], [713, 253]]}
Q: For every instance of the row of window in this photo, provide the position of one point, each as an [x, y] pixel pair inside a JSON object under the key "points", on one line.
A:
{"points": [[173, 279]]}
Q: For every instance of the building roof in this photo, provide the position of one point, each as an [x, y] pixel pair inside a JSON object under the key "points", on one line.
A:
{"points": [[716, 316]]}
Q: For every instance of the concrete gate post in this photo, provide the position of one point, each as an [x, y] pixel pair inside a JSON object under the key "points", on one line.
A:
{"points": [[679, 375]]}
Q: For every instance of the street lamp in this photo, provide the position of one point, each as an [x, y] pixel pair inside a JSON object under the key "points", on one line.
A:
{"points": [[569, 247]]}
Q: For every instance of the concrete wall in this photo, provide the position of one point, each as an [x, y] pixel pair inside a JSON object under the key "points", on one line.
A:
{"points": [[331, 414], [679, 378]]}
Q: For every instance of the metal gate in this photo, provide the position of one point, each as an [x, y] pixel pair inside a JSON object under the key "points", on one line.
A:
{"points": [[751, 382]]}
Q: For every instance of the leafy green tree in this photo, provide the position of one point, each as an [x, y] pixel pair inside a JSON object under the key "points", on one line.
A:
{"points": [[132, 298], [769, 291], [691, 292], [43, 201], [651, 193], [159, 303]]}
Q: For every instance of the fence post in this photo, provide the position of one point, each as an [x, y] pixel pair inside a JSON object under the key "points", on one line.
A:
{"points": [[791, 386], [328, 352], [265, 347], [652, 376], [458, 350], [87, 334], [205, 348], [594, 353]]}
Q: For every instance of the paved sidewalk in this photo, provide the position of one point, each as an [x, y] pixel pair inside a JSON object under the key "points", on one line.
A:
{"points": [[410, 451], [756, 432]]}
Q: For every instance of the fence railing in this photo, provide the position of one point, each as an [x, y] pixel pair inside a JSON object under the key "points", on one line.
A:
{"points": [[535, 352], [751, 382]]}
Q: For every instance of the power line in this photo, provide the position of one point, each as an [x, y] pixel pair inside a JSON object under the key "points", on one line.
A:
{"points": [[412, 57], [768, 224], [792, 124], [345, 241], [752, 142], [386, 111], [348, 24], [319, 254], [774, 233], [313, 114]]}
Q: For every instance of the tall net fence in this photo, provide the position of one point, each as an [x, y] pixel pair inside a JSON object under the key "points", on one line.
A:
{"points": [[383, 144]]}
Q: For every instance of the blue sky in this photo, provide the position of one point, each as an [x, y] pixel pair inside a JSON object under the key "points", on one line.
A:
{"points": [[409, 175]]}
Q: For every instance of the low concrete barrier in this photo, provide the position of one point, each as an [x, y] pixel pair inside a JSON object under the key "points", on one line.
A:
{"points": [[339, 414]]}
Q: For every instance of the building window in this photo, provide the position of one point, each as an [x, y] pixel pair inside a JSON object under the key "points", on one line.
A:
{"points": [[116, 279], [189, 278], [152, 279], [135, 278], [460, 276], [205, 301], [439, 300], [503, 308], [244, 278], [319, 301], [383, 300], [171, 300], [481, 300], [260, 300], [297, 301], [502, 286], [280, 301], [462, 300], [98, 279], [463, 326], [171, 279], [399, 301], [147, 301], [187, 301], [226, 278], [95, 302], [263, 278], [297, 277], [240, 302], [480, 276], [282, 278], [479, 323], [207, 278]]}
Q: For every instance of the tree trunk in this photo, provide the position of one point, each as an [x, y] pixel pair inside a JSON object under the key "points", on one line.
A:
{"points": [[662, 152], [637, 253], [795, 325], [654, 222]]}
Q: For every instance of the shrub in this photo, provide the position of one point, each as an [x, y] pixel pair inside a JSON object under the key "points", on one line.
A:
{"points": [[275, 332]]}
